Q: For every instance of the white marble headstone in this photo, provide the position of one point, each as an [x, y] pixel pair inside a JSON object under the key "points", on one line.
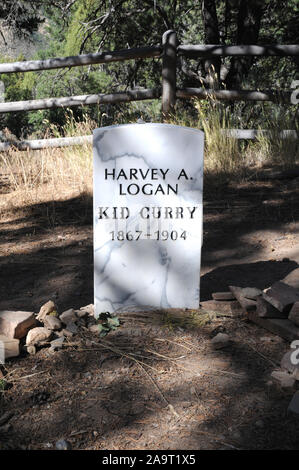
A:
{"points": [[147, 216]]}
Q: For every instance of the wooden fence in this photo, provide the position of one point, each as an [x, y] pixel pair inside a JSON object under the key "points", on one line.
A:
{"points": [[168, 92]]}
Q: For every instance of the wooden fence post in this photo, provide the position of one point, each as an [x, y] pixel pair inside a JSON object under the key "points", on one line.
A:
{"points": [[169, 42]]}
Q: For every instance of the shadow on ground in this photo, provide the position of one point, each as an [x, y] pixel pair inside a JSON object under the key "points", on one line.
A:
{"points": [[46, 249], [200, 399], [46, 253]]}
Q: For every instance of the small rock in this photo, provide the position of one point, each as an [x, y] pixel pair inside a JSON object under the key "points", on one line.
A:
{"points": [[45, 310], [89, 309], [221, 340], [47, 445], [57, 343], [68, 316], [62, 444], [81, 313], [72, 328], [16, 324], [67, 333], [9, 347], [31, 350], [223, 296], [283, 378], [52, 323], [94, 328], [58, 334], [37, 335], [294, 404]]}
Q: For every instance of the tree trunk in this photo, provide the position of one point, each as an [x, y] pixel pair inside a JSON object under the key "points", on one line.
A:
{"points": [[249, 19], [211, 31]]}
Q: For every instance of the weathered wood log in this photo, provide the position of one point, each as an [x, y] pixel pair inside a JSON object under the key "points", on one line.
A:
{"points": [[149, 52], [292, 279], [169, 41], [210, 50], [46, 143], [223, 296], [222, 308], [266, 310], [81, 100], [84, 59], [39, 144], [281, 296], [294, 314], [278, 326], [251, 293], [235, 95], [247, 304], [251, 134]]}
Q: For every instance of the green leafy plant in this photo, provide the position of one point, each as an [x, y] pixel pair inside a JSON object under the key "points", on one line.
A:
{"points": [[3, 385], [107, 323]]}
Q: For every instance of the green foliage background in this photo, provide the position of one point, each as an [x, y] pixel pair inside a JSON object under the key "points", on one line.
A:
{"points": [[99, 25]]}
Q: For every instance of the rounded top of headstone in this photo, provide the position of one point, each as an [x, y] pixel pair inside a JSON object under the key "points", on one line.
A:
{"points": [[146, 125]]}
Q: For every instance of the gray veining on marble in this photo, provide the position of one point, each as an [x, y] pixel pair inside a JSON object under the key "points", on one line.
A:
{"points": [[160, 267]]}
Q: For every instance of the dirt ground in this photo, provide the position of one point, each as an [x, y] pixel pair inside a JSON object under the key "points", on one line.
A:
{"points": [[156, 382]]}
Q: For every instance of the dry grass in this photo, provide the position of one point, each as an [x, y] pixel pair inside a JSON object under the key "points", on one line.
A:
{"points": [[222, 153], [59, 173], [49, 174], [229, 157]]}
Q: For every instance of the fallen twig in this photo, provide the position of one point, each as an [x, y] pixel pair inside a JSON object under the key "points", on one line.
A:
{"points": [[173, 342], [141, 365], [28, 376]]}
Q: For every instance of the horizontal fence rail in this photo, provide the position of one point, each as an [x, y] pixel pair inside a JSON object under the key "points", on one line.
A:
{"points": [[235, 95], [206, 50], [80, 100], [253, 134], [39, 144], [84, 59], [168, 52]]}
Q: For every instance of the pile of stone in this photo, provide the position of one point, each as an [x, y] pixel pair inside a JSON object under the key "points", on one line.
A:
{"points": [[275, 308], [47, 328]]}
